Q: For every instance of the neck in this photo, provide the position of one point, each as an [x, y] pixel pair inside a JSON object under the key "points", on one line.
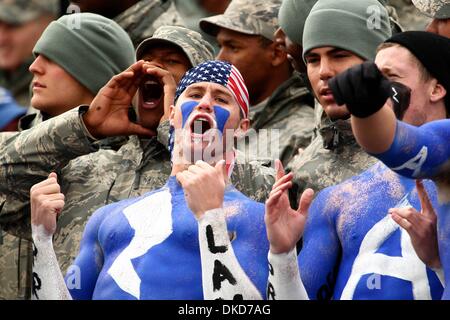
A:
{"points": [[267, 88]]}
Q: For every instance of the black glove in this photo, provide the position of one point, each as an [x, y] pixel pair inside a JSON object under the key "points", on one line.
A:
{"points": [[401, 96], [362, 88]]}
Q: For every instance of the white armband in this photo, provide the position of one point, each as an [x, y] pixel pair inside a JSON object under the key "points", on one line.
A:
{"points": [[222, 275], [284, 277], [48, 281]]}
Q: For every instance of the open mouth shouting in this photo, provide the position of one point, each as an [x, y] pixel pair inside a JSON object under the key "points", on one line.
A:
{"points": [[201, 127], [151, 92]]}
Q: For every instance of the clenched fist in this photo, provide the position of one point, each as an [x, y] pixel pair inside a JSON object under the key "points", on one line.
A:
{"points": [[47, 201], [204, 186]]}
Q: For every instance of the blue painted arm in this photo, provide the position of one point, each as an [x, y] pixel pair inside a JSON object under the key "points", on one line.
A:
{"points": [[320, 255], [82, 275], [419, 152]]}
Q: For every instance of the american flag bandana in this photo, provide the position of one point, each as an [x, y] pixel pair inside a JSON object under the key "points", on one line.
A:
{"points": [[219, 72]]}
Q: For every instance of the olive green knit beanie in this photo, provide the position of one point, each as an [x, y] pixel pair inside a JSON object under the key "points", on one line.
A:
{"points": [[292, 17], [88, 46], [357, 26]]}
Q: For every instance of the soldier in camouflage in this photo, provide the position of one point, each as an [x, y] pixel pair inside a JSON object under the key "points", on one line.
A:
{"points": [[281, 110], [21, 24], [439, 11], [91, 178], [63, 85], [408, 15], [140, 20], [191, 11], [334, 154]]}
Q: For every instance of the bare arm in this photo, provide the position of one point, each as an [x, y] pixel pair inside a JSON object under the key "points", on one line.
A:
{"points": [[46, 203], [284, 229], [376, 132]]}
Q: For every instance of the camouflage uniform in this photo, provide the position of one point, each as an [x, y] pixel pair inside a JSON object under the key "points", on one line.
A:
{"points": [[18, 83], [141, 20], [191, 12], [438, 9], [17, 12], [89, 177], [14, 260], [289, 109], [333, 156], [195, 48], [409, 16]]}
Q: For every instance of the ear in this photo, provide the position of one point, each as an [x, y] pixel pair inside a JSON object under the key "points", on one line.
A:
{"points": [[278, 53], [280, 38], [244, 125], [438, 91], [172, 114]]}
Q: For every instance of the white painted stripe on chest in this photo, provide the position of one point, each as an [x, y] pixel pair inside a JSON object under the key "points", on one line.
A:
{"points": [[407, 267], [151, 218]]}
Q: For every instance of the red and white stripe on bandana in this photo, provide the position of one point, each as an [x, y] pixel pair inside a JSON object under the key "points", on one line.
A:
{"points": [[220, 72]]}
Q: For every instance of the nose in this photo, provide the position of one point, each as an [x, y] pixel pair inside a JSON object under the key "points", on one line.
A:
{"points": [[325, 71], [205, 104], [37, 67]]}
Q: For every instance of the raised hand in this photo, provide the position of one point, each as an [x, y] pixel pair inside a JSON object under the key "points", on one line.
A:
{"points": [[362, 88], [421, 227], [108, 113], [285, 225], [46, 203], [204, 186]]}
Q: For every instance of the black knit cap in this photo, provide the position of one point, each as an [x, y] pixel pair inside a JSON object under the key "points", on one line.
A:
{"points": [[433, 51]]}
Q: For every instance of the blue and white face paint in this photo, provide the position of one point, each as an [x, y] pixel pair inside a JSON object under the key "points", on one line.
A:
{"points": [[202, 129]]}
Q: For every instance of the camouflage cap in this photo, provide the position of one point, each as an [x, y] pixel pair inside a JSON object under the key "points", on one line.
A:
{"points": [[22, 11], [196, 48], [252, 17], [439, 9]]}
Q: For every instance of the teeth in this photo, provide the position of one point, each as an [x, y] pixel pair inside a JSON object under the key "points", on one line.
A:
{"points": [[151, 82], [197, 140]]}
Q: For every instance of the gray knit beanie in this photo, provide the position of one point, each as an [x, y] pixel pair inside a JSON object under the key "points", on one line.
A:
{"points": [[292, 17], [357, 26], [88, 46]]}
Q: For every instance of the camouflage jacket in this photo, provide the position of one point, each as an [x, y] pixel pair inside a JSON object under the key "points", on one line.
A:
{"points": [[90, 178], [333, 156], [141, 20], [288, 117], [18, 83]]}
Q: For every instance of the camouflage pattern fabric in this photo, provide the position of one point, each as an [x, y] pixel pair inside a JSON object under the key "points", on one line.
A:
{"points": [[191, 42], [89, 180], [333, 156], [15, 267], [192, 12], [409, 16], [439, 9], [288, 117], [253, 17], [141, 20], [22, 11]]}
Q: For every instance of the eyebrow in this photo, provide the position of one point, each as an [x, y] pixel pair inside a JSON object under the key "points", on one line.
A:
{"points": [[330, 52]]}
